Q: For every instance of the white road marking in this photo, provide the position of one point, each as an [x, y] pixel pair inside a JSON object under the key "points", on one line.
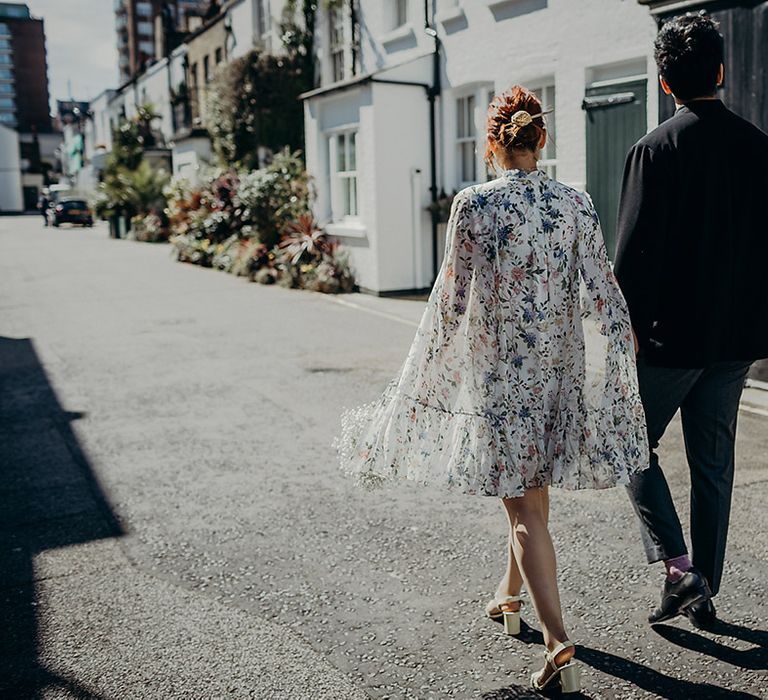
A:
{"points": [[375, 312]]}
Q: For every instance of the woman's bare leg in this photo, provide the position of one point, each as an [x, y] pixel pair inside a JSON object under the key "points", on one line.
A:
{"points": [[535, 556], [512, 581]]}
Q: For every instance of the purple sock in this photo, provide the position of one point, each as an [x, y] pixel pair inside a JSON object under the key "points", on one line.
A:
{"points": [[677, 567]]}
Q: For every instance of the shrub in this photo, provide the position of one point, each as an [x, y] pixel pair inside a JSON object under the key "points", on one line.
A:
{"points": [[150, 228]]}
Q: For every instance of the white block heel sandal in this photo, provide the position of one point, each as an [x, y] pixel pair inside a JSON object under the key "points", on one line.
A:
{"points": [[508, 610], [567, 671]]}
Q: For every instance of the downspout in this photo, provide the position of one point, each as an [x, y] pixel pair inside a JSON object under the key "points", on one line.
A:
{"points": [[432, 94], [172, 94]]}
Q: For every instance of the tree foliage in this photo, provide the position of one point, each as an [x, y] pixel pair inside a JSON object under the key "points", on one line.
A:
{"points": [[130, 184], [254, 101]]}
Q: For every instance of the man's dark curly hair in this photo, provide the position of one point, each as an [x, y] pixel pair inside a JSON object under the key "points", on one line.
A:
{"points": [[688, 53]]}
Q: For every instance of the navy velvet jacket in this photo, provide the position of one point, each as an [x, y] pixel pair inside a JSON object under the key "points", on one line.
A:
{"points": [[692, 255]]}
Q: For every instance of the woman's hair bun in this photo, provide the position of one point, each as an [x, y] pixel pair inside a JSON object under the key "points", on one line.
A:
{"points": [[515, 121]]}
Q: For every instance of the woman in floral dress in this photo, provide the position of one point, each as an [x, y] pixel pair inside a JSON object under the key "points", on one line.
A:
{"points": [[496, 396]]}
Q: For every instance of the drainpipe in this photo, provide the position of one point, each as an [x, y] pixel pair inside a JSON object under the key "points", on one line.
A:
{"points": [[433, 91], [432, 94]]}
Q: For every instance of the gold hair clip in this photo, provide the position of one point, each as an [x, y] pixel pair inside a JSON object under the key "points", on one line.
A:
{"points": [[521, 118]]}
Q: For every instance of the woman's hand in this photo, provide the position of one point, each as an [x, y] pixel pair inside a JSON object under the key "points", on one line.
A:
{"points": [[634, 341]]}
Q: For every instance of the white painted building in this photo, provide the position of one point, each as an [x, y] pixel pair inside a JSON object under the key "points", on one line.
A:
{"points": [[11, 200], [242, 26], [368, 139]]}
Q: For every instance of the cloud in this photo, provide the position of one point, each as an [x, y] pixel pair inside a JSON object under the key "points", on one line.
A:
{"points": [[82, 46]]}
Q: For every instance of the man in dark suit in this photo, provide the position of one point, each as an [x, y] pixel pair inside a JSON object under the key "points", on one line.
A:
{"points": [[692, 246]]}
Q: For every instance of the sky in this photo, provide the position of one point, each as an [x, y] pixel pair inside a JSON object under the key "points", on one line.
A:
{"points": [[82, 46]]}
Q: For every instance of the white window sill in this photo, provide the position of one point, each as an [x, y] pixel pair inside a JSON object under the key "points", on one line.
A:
{"points": [[450, 15], [346, 228], [505, 9], [399, 34]]}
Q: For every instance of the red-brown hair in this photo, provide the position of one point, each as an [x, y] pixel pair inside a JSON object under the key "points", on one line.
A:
{"points": [[501, 130]]}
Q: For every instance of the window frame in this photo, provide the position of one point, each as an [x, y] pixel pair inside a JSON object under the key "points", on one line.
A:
{"points": [[144, 9], [337, 43], [145, 44], [342, 179], [400, 13], [544, 90], [466, 113]]}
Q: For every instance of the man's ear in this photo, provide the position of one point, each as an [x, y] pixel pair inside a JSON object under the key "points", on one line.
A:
{"points": [[721, 76], [665, 86]]}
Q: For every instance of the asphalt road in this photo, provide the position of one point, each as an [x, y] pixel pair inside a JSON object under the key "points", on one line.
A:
{"points": [[173, 525]]}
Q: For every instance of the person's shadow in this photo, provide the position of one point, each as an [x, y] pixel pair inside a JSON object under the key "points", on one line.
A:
{"points": [[642, 676], [49, 498], [754, 659]]}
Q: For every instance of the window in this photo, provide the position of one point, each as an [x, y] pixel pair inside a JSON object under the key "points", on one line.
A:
{"points": [[401, 13], [344, 174], [7, 117], [18, 11], [193, 74], [6, 74], [5, 59], [4, 31], [5, 44], [145, 28], [6, 103], [548, 161], [144, 9], [490, 170], [206, 68], [6, 88], [466, 138], [219, 55], [264, 20], [147, 48], [336, 43]]}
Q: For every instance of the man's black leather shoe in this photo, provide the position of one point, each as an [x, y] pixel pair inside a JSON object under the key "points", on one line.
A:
{"points": [[677, 596], [702, 615]]}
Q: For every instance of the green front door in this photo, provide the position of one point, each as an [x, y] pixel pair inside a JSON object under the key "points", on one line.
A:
{"points": [[616, 119]]}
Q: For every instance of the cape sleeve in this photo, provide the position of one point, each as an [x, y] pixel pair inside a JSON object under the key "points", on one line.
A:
{"points": [[433, 423], [611, 394], [603, 300]]}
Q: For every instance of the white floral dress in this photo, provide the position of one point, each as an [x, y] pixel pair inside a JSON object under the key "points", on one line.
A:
{"points": [[495, 396]]}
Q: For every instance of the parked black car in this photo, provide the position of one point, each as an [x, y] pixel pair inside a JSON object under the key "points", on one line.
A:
{"points": [[71, 211]]}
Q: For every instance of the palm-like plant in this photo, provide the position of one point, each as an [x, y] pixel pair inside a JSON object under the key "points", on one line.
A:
{"points": [[304, 239]]}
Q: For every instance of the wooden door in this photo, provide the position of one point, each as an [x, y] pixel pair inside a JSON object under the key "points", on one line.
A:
{"points": [[616, 119]]}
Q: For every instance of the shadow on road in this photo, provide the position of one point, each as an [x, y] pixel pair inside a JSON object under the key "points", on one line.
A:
{"points": [[651, 680], [49, 498], [755, 659]]}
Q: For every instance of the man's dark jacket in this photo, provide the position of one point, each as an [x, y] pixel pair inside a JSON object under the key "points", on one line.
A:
{"points": [[692, 255]]}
